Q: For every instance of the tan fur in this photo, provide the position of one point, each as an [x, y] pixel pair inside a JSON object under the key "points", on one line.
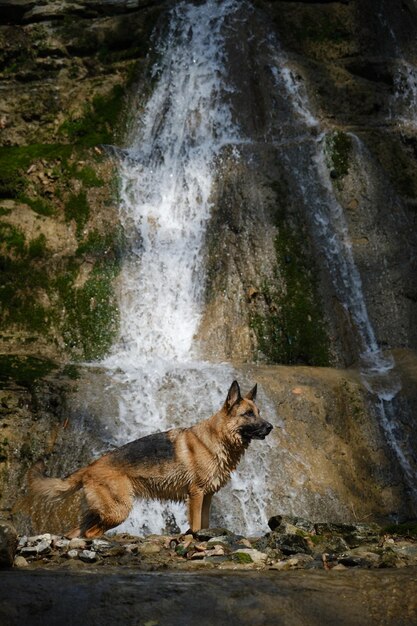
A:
{"points": [[197, 462]]}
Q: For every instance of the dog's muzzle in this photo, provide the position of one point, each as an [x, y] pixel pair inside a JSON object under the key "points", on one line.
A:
{"points": [[256, 432], [264, 431]]}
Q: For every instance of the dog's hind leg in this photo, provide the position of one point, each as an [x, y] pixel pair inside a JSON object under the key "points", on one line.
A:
{"points": [[107, 505]]}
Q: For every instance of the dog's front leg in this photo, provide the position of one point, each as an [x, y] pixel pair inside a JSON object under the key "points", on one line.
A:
{"points": [[205, 515], [195, 505]]}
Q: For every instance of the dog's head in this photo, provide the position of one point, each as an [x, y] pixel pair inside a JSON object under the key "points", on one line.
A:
{"points": [[243, 415]]}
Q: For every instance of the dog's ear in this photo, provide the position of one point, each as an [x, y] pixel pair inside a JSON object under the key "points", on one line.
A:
{"points": [[233, 396], [252, 394]]}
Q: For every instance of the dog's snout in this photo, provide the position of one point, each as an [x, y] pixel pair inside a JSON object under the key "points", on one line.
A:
{"points": [[268, 427]]}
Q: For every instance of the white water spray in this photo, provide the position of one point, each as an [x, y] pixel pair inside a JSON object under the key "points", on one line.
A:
{"points": [[166, 183]]}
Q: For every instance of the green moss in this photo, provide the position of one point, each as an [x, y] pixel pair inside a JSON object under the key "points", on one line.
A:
{"points": [[15, 160], [12, 239], [406, 529], [92, 316], [88, 176], [338, 148], [24, 370], [97, 124], [39, 205], [293, 329], [109, 245], [242, 557], [78, 209], [37, 248], [293, 332], [71, 371], [20, 275]]}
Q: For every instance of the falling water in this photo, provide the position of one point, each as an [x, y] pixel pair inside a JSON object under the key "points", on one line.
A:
{"points": [[331, 233], [166, 183]]}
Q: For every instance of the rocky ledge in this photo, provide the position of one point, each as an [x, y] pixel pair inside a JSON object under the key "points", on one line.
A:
{"points": [[293, 543]]}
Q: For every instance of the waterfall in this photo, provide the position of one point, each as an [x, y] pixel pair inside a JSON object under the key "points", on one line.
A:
{"points": [[331, 234], [166, 182]]}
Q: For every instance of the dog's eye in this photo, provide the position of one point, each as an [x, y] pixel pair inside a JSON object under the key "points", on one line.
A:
{"points": [[249, 414]]}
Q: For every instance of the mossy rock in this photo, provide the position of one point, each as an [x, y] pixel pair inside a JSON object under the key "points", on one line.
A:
{"points": [[406, 529], [242, 557], [338, 149], [24, 370], [292, 330], [98, 122]]}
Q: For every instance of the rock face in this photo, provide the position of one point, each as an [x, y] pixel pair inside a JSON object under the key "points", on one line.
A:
{"points": [[65, 72], [323, 97], [329, 121]]}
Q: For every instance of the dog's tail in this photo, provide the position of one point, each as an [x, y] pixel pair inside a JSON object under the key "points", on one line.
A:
{"points": [[53, 488]]}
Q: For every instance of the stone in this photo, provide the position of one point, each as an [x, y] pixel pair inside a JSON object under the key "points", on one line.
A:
{"points": [[280, 565], [333, 545], [29, 551], [61, 544], [72, 554], [351, 560], [289, 543], [20, 561], [43, 547], [255, 555], [77, 544], [149, 548], [101, 544], [12, 11], [88, 556], [8, 544], [405, 549], [289, 524], [205, 534]]}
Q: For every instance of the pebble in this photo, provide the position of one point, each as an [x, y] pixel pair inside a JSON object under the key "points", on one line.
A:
{"points": [[101, 544], [72, 554], [257, 557], [61, 544], [77, 544], [29, 551], [88, 556], [293, 543], [43, 547], [20, 561], [149, 548]]}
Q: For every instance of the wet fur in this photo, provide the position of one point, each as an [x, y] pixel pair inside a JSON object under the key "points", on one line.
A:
{"points": [[182, 463]]}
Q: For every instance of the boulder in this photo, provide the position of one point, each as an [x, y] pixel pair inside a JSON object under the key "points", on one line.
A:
{"points": [[8, 544]]}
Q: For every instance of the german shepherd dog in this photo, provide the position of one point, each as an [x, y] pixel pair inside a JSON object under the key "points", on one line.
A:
{"points": [[182, 463]]}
